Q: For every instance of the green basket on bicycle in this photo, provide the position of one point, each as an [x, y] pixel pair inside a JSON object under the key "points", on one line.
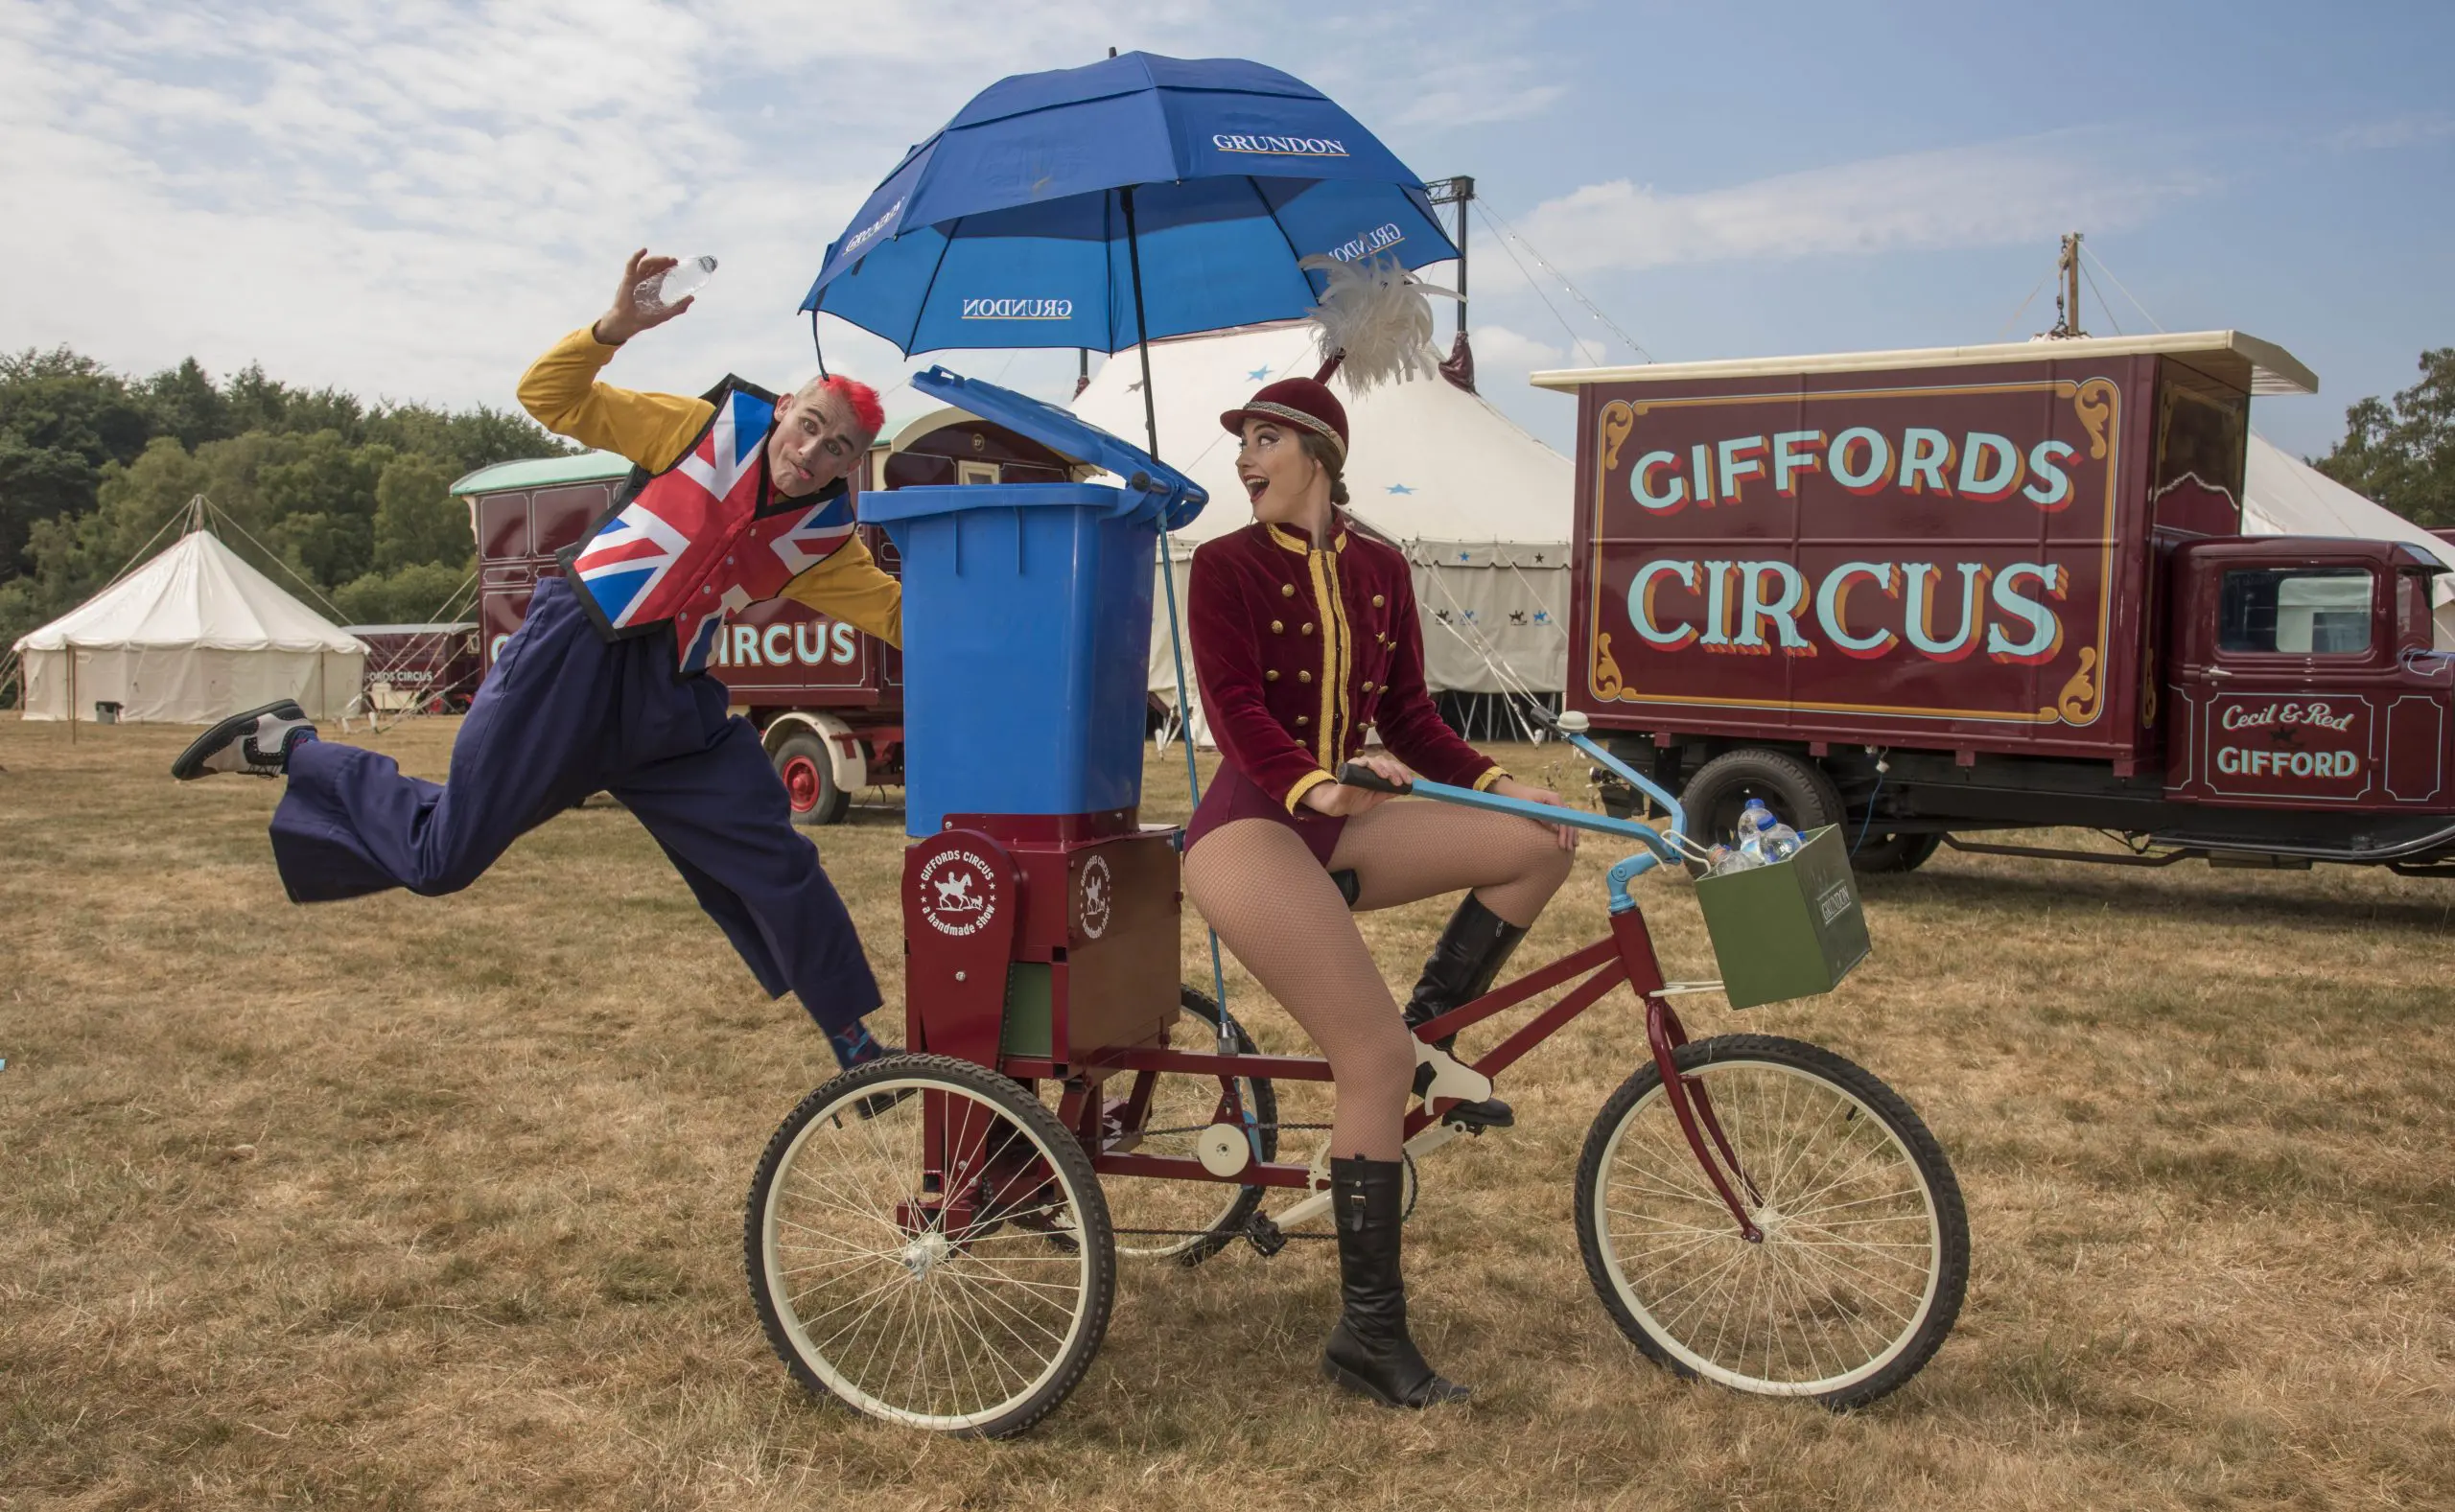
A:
{"points": [[1792, 928]]}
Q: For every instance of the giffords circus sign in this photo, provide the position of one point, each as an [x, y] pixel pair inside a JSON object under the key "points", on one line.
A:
{"points": [[1928, 547]]}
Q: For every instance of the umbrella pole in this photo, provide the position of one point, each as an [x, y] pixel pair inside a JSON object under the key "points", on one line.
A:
{"points": [[1175, 630]]}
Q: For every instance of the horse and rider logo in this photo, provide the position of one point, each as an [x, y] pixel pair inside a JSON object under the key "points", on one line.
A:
{"points": [[1098, 898], [955, 895]]}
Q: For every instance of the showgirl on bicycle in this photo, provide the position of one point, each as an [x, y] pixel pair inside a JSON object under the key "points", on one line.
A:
{"points": [[1305, 636]]}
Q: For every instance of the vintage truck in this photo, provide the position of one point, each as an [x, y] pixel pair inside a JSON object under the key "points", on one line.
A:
{"points": [[1932, 594], [828, 699]]}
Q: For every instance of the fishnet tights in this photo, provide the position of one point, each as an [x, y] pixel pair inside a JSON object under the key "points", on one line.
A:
{"points": [[1277, 910]]}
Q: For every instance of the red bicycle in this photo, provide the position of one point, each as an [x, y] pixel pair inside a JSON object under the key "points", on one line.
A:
{"points": [[931, 1241]]}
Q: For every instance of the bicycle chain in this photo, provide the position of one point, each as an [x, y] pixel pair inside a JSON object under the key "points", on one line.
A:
{"points": [[1258, 1229]]}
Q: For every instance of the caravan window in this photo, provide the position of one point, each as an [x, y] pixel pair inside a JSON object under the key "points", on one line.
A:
{"points": [[2296, 611]]}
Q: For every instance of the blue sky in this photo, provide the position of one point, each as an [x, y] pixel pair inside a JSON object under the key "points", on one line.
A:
{"points": [[410, 200]]}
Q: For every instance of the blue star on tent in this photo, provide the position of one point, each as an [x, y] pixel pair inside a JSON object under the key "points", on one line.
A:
{"points": [[1400, 488], [1258, 374]]}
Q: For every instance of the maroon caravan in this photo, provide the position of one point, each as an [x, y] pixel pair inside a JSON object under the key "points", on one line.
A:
{"points": [[828, 699], [425, 669], [1933, 594]]}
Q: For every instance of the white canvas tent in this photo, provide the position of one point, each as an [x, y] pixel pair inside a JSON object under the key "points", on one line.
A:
{"points": [[1481, 508], [192, 635], [2284, 496]]}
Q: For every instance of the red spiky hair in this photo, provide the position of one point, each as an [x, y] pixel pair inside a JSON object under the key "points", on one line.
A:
{"points": [[861, 398]]}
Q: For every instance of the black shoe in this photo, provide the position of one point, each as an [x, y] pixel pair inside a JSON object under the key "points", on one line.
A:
{"points": [[879, 1104], [1370, 1351], [1468, 956], [256, 743]]}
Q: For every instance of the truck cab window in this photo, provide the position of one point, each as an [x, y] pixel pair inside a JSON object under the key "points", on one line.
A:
{"points": [[2296, 611]]}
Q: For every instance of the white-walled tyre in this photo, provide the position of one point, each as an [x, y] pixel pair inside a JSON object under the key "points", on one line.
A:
{"points": [[927, 1243], [1865, 1257]]}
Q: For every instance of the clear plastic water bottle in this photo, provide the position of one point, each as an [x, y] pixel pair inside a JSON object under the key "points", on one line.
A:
{"points": [[1764, 837], [1723, 860], [675, 285]]}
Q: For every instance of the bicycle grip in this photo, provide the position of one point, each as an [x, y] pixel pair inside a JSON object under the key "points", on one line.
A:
{"points": [[1355, 774]]}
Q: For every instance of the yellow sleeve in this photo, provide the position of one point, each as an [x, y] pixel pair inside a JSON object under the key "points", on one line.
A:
{"points": [[851, 585], [560, 392]]}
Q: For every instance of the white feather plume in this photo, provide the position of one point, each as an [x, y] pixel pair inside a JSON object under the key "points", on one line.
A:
{"points": [[1375, 316]]}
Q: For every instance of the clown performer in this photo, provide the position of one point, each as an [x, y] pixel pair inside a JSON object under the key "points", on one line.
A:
{"points": [[737, 497]]}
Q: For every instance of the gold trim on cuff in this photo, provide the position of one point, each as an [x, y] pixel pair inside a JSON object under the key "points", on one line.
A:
{"points": [[1483, 783], [1305, 785]]}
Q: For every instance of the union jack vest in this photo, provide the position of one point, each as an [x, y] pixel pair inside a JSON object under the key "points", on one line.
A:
{"points": [[700, 540]]}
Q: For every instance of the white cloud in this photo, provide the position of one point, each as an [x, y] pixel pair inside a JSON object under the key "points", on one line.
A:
{"points": [[1989, 195], [1503, 356], [2403, 130], [411, 199]]}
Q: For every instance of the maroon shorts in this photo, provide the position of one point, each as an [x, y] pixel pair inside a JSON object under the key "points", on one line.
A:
{"points": [[1232, 796]]}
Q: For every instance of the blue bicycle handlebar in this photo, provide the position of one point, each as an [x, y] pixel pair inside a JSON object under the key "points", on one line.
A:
{"points": [[1661, 845]]}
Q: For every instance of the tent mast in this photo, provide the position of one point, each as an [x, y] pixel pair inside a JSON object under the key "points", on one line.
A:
{"points": [[2067, 299], [1460, 191]]}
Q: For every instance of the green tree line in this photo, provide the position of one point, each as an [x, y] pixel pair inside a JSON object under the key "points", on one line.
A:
{"points": [[2401, 452], [350, 496]]}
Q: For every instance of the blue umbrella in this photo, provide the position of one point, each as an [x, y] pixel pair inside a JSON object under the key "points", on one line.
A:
{"points": [[1138, 198]]}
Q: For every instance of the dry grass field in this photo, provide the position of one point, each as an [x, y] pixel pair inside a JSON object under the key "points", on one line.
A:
{"points": [[437, 1203]]}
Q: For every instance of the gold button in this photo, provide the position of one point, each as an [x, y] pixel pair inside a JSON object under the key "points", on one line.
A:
{"points": [[1276, 627], [1287, 590], [1368, 688], [1376, 600], [1308, 627], [1270, 675], [1301, 720], [1303, 677]]}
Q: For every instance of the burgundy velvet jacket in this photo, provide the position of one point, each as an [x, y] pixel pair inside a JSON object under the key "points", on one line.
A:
{"points": [[1297, 651]]}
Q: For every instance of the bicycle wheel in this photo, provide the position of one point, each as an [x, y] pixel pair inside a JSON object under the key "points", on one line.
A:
{"points": [[1189, 1222], [1865, 1248], [927, 1243]]}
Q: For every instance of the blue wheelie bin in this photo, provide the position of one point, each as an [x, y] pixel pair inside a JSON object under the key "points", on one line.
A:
{"points": [[1027, 620]]}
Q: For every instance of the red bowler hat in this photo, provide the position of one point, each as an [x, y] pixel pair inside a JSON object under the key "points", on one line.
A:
{"points": [[1298, 402]]}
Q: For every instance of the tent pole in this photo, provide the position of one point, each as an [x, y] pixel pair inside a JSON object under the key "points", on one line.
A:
{"points": [[72, 692], [1176, 628]]}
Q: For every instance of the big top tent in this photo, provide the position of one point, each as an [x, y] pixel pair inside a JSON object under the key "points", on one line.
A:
{"points": [[2284, 496], [1481, 508]]}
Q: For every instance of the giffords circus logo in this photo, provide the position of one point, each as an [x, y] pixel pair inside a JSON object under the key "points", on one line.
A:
{"points": [[1380, 238], [955, 896], [1281, 146], [1018, 310]]}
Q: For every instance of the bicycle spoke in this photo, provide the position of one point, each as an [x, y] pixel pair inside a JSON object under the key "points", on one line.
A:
{"points": [[1847, 1260]]}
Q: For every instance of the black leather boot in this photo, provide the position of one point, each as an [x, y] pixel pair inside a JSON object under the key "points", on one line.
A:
{"points": [[1471, 950], [1369, 1350]]}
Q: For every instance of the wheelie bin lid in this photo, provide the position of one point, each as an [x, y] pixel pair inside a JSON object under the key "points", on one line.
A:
{"points": [[1153, 489]]}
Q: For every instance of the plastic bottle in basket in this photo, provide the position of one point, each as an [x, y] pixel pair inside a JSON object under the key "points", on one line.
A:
{"points": [[1764, 837]]}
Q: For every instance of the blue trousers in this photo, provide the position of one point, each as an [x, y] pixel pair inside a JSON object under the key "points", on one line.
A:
{"points": [[566, 714]]}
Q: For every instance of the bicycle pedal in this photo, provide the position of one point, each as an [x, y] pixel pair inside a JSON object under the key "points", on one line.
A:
{"points": [[1265, 1236]]}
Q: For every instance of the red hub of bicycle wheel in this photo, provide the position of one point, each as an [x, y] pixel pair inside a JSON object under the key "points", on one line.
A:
{"points": [[802, 783]]}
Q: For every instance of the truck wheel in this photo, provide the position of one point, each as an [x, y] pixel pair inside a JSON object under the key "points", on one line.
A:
{"points": [[808, 770], [1797, 791], [1894, 854]]}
